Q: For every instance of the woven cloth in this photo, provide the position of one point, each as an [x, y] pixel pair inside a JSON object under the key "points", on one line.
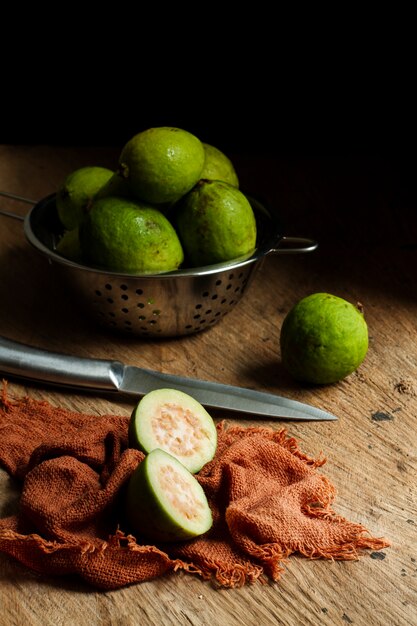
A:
{"points": [[268, 500]]}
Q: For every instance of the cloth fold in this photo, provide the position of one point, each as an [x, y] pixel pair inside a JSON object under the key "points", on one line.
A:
{"points": [[267, 497]]}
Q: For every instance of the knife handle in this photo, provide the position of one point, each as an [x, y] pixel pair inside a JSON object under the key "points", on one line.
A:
{"points": [[32, 363]]}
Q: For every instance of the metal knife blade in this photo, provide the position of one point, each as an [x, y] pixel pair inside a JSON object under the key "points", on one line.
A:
{"points": [[102, 375]]}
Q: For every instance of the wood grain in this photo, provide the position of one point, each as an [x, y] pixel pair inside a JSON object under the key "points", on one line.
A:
{"points": [[362, 211]]}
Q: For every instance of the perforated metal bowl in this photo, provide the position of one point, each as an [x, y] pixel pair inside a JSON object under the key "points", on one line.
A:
{"points": [[171, 304]]}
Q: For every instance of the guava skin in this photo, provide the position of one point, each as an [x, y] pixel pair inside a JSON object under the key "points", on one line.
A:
{"points": [[217, 166], [323, 339], [148, 515], [69, 245], [76, 192], [216, 223], [115, 186], [127, 236], [162, 164]]}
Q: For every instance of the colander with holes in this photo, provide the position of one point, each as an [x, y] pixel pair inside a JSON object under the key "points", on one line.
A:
{"points": [[171, 304]]}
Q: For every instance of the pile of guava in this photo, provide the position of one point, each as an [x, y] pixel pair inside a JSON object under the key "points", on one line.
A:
{"points": [[172, 201]]}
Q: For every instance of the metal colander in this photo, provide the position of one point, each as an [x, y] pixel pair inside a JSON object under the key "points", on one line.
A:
{"points": [[171, 304]]}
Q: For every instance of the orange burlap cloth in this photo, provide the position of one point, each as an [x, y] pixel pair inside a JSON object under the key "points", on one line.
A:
{"points": [[267, 497]]}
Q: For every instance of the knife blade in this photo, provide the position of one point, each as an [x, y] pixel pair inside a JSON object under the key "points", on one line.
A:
{"points": [[84, 373]]}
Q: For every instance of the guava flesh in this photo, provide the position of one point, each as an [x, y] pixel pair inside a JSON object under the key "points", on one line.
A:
{"points": [[175, 422], [164, 501]]}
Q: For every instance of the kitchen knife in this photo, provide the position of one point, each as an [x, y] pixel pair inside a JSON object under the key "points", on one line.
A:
{"points": [[40, 365]]}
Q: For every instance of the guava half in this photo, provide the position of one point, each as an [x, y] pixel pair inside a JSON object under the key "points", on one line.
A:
{"points": [[323, 339], [177, 423], [164, 501]]}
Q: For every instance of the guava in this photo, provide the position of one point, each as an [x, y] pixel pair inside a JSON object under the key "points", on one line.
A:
{"points": [[215, 222], [69, 245], [115, 186], [323, 339], [76, 192], [164, 501], [127, 236], [217, 166], [177, 423], [162, 164]]}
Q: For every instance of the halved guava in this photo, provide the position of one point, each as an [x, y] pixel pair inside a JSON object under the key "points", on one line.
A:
{"points": [[177, 423], [164, 501]]}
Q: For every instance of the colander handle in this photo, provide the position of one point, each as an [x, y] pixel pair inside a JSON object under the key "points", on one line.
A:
{"points": [[294, 245], [32, 363]]}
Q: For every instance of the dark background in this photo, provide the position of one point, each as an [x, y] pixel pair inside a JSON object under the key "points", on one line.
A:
{"points": [[308, 115]]}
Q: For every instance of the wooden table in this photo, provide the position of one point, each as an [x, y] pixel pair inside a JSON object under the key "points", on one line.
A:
{"points": [[363, 213]]}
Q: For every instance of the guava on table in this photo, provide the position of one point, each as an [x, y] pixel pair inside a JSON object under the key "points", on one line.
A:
{"points": [[76, 192], [218, 166], [323, 339], [127, 236], [177, 423], [164, 501], [215, 222], [162, 164]]}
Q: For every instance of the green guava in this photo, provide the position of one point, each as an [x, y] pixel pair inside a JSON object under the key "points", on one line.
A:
{"points": [[69, 245], [162, 164], [323, 339], [217, 166], [164, 501], [115, 186], [76, 192], [177, 423], [127, 236], [215, 222]]}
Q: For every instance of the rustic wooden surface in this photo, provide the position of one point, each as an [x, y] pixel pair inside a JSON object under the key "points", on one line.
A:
{"points": [[363, 213]]}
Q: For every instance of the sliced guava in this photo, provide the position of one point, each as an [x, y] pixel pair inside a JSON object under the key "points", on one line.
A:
{"points": [[177, 423], [164, 501]]}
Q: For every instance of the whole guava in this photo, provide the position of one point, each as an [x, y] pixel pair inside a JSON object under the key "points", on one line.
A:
{"points": [[76, 192], [69, 245], [215, 222], [162, 164], [218, 166], [115, 186], [323, 339], [127, 236]]}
